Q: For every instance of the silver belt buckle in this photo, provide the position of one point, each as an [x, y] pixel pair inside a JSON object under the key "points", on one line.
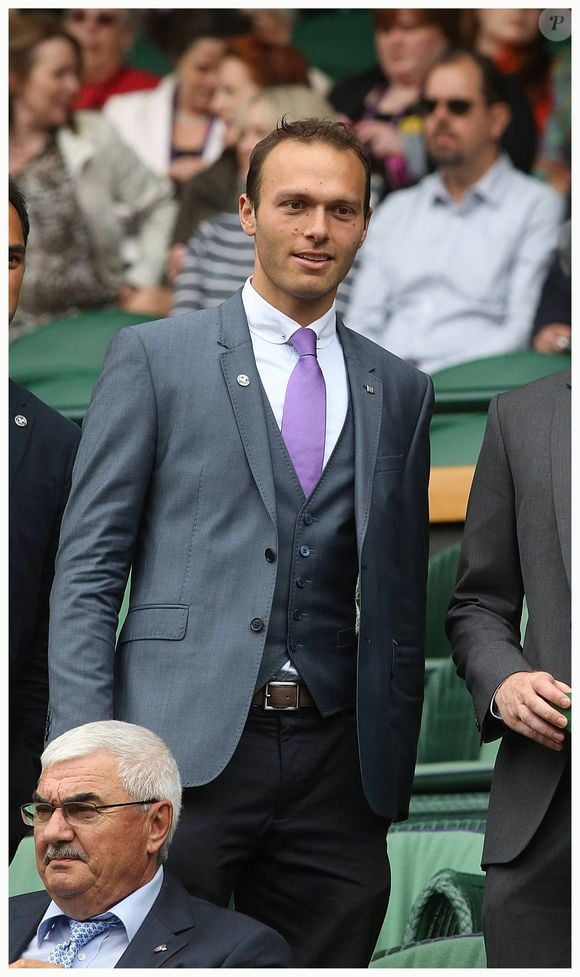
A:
{"points": [[293, 685]]}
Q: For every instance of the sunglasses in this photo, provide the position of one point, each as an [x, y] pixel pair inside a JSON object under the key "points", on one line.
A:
{"points": [[457, 106], [100, 19]]}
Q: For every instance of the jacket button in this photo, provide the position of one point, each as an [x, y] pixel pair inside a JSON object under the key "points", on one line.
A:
{"points": [[307, 519], [300, 582], [304, 551], [270, 555], [256, 624], [297, 615]]}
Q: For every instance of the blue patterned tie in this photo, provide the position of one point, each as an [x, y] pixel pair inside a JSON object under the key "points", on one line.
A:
{"points": [[81, 932]]}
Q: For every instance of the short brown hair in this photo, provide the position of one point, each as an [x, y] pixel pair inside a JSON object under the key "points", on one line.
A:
{"points": [[326, 131], [449, 22]]}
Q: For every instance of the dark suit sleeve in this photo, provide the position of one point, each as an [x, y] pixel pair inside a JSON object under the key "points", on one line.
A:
{"points": [[483, 623]]}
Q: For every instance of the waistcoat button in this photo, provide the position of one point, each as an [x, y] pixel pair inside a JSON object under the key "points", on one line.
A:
{"points": [[256, 624]]}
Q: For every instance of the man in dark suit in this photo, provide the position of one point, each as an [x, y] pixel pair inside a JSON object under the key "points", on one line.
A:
{"points": [[42, 446], [249, 483], [104, 812], [516, 544]]}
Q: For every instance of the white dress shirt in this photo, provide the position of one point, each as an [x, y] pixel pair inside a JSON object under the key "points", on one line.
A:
{"points": [[106, 948], [275, 358]]}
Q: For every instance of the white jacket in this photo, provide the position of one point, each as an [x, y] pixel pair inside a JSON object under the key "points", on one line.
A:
{"points": [[113, 185], [144, 120]]}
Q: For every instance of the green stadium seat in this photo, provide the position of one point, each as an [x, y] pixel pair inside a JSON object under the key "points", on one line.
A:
{"points": [[22, 874], [453, 952], [449, 905], [441, 579]]}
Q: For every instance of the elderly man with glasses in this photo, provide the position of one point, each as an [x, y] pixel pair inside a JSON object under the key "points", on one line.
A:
{"points": [[104, 812], [452, 268]]}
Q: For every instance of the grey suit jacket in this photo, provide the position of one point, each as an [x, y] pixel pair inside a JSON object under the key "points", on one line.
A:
{"points": [[516, 542], [193, 932], [174, 479]]}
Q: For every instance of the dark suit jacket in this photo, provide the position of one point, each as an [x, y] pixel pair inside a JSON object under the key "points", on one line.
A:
{"points": [[196, 933], [516, 542], [42, 452], [174, 478]]}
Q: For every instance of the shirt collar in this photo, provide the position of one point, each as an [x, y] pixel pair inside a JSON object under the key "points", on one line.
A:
{"points": [[131, 910], [267, 322], [489, 187]]}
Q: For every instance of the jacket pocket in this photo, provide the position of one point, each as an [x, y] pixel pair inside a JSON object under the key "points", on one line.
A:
{"points": [[389, 463], [164, 621]]}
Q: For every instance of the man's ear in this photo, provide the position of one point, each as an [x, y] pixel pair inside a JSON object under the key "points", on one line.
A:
{"points": [[160, 820], [366, 227], [500, 114], [247, 215]]}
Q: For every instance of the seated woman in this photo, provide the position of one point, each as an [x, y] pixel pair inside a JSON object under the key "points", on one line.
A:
{"points": [[220, 256], [173, 128], [81, 183]]}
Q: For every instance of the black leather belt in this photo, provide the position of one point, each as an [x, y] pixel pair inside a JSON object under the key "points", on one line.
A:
{"points": [[284, 696]]}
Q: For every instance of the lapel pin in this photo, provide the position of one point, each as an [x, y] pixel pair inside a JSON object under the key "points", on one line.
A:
{"points": [[243, 380], [369, 390], [160, 948], [21, 420]]}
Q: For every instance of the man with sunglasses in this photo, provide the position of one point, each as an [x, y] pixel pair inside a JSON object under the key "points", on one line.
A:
{"points": [[105, 36], [104, 812], [452, 269]]}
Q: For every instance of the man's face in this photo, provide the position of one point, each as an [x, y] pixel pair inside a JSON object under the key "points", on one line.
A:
{"points": [[16, 252], [104, 37], [88, 869], [308, 225], [458, 140]]}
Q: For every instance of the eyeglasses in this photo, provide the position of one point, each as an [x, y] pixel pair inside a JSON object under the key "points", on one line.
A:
{"points": [[457, 106], [100, 19], [74, 812]]}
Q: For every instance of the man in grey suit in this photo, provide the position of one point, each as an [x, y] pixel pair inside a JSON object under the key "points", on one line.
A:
{"points": [[248, 483], [104, 812], [516, 543]]}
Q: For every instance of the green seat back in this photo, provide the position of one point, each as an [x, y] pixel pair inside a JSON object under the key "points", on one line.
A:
{"points": [[22, 874], [453, 952], [449, 905], [448, 730], [441, 577]]}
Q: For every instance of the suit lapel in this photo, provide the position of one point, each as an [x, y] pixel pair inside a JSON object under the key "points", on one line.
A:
{"points": [[160, 937], [561, 469], [366, 391], [25, 915], [19, 436], [237, 361]]}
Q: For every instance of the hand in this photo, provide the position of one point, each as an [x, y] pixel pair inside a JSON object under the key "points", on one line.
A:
{"points": [[175, 260], [380, 138], [555, 338], [150, 300], [21, 964], [523, 702], [184, 167]]}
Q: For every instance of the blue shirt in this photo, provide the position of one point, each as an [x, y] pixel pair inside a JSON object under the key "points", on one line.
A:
{"points": [[106, 948], [441, 281]]}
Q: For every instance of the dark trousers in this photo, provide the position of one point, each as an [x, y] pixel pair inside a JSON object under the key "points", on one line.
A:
{"points": [[286, 828], [527, 902]]}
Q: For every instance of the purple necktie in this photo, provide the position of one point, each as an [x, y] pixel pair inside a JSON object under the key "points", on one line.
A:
{"points": [[304, 418]]}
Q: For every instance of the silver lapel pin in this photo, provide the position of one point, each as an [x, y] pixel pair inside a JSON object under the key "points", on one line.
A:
{"points": [[160, 948], [21, 420], [243, 380], [369, 390]]}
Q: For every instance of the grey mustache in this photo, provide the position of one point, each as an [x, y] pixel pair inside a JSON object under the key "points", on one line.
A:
{"points": [[64, 851]]}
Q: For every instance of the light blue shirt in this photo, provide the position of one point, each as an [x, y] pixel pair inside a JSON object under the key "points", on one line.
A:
{"points": [[106, 948], [441, 282]]}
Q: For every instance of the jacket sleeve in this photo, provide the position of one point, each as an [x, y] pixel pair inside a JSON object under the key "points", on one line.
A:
{"points": [[99, 530], [483, 622]]}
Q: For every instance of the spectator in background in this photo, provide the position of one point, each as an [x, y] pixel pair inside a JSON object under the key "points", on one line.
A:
{"points": [[75, 173], [275, 26], [248, 66], [104, 37], [452, 269], [383, 103], [42, 445], [173, 128], [220, 255], [552, 332]]}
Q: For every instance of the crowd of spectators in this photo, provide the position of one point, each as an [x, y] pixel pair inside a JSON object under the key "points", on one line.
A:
{"points": [[132, 177]]}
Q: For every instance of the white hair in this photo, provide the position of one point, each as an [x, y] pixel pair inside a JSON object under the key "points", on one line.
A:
{"points": [[147, 767]]}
